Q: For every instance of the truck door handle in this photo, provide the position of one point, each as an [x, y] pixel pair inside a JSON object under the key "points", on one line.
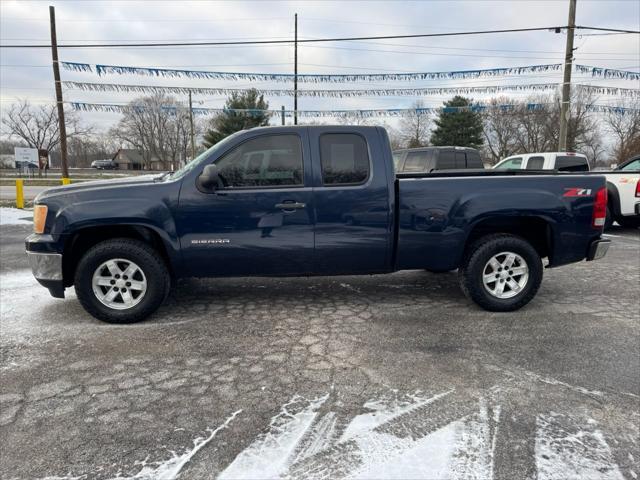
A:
{"points": [[290, 206]]}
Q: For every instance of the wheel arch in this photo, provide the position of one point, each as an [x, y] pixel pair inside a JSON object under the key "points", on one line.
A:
{"points": [[80, 241], [535, 229]]}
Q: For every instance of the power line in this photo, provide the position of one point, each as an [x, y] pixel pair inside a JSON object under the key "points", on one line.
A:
{"points": [[308, 40]]}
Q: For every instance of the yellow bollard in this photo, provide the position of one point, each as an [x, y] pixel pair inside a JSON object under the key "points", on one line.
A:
{"points": [[66, 181], [20, 193]]}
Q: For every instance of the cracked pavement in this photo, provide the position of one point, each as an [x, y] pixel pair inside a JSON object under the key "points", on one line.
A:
{"points": [[333, 376]]}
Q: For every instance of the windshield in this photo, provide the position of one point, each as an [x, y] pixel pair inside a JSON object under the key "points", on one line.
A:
{"points": [[632, 166], [178, 174]]}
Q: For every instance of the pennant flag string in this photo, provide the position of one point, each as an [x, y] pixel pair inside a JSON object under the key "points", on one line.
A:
{"points": [[608, 72], [366, 113], [306, 77], [345, 77], [385, 92]]}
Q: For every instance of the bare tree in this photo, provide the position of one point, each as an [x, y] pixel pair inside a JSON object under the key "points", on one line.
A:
{"points": [[624, 126], [414, 128], [395, 138], [532, 125], [158, 127], [500, 130], [37, 126]]}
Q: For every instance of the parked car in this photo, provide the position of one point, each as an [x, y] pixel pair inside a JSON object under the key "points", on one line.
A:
{"points": [[430, 159], [561, 161], [104, 165], [122, 243]]}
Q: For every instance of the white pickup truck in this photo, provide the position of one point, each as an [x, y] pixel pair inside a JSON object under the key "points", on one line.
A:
{"points": [[623, 183]]}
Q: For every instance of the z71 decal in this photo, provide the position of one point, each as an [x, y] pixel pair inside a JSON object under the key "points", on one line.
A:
{"points": [[577, 192]]}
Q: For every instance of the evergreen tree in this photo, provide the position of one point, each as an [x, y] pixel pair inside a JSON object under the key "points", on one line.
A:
{"points": [[229, 122], [458, 128]]}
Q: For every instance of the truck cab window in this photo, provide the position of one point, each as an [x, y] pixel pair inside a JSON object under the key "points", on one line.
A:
{"points": [[535, 163], [571, 164], [511, 163], [266, 161], [344, 159], [415, 162]]}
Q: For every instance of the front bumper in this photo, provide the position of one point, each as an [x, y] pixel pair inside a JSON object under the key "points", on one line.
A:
{"points": [[45, 266], [598, 249]]}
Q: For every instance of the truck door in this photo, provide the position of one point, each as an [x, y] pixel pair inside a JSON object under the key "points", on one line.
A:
{"points": [[261, 221], [352, 202]]}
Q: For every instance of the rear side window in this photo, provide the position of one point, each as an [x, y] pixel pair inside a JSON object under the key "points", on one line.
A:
{"points": [[571, 164], [266, 161], [461, 160], [511, 163], [416, 162], [344, 159], [473, 160], [446, 160], [535, 163]]}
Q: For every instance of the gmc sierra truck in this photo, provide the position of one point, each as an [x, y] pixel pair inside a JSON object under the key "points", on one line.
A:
{"points": [[298, 201]]}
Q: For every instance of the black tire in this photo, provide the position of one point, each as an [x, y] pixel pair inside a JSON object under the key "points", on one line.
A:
{"points": [[471, 272], [608, 221], [145, 257], [627, 222]]}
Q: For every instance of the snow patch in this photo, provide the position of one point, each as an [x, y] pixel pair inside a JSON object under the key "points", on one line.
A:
{"points": [[270, 454], [384, 411], [303, 443], [171, 468], [564, 452], [15, 216]]}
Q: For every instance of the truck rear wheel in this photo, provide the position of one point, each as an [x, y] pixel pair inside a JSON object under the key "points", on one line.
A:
{"points": [[501, 273], [121, 281]]}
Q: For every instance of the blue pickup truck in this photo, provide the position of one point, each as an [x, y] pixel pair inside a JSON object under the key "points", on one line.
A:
{"points": [[300, 201]]}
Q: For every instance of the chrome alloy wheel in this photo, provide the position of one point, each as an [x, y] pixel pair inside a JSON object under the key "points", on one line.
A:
{"points": [[119, 284], [505, 275]]}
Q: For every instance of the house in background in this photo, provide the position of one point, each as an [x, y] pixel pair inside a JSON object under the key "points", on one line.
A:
{"points": [[131, 159]]}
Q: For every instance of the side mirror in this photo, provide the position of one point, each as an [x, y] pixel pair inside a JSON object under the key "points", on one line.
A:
{"points": [[209, 179]]}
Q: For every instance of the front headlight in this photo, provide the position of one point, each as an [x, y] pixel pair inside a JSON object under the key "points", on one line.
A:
{"points": [[39, 218]]}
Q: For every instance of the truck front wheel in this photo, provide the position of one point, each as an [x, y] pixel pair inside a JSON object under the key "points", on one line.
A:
{"points": [[121, 280], [501, 273]]}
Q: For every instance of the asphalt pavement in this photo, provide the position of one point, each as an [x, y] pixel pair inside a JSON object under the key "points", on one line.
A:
{"points": [[385, 376]]}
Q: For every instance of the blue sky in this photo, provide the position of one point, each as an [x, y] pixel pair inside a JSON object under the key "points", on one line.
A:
{"points": [[27, 73]]}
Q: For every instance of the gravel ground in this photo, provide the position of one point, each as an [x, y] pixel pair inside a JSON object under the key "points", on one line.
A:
{"points": [[395, 376]]}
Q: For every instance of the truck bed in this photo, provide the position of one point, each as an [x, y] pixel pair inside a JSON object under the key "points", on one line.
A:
{"points": [[438, 212]]}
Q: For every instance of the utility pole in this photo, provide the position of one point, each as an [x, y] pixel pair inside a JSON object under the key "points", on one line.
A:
{"points": [[295, 72], [565, 108], [282, 110], [56, 76], [193, 142]]}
